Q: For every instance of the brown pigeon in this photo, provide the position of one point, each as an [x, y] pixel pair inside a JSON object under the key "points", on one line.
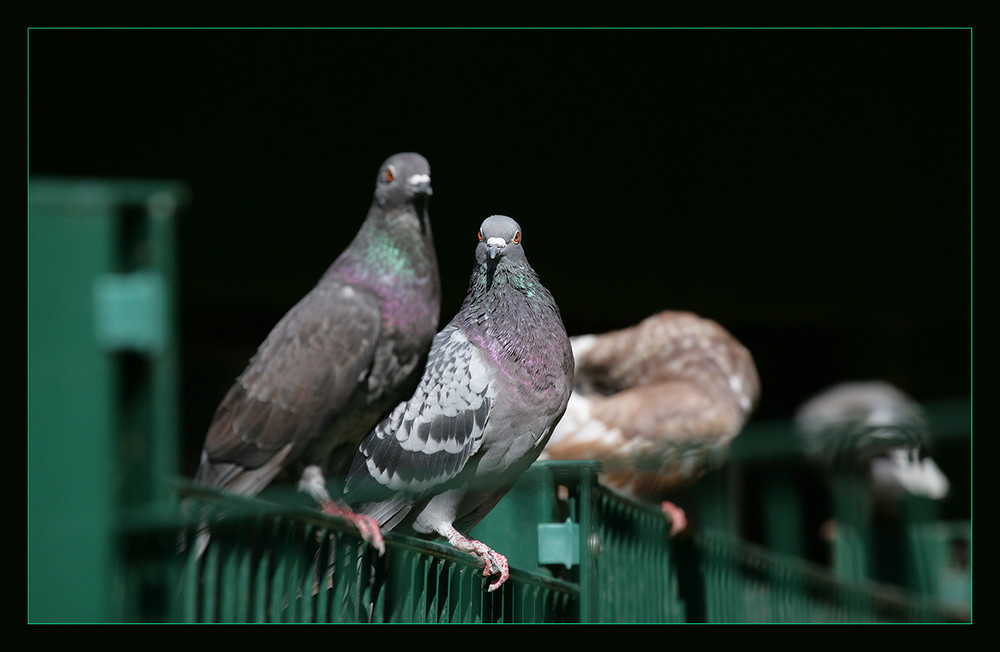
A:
{"points": [[657, 404]]}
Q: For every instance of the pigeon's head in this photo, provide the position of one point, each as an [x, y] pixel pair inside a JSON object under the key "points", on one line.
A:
{"points": [[499, 236], [403, 178]]}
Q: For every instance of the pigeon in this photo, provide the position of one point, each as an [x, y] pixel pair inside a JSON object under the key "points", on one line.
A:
{"points": [[496, 382], [340, 359], [658, 404], [875, 427]]}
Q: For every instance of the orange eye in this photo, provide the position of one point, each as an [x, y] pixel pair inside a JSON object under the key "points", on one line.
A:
{"points": [[517, 238], [480, 235], [389, 176]]}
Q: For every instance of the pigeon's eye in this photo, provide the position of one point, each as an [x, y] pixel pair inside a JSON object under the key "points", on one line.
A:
{"points": [[517, 237], [480, 235], [389, 175]]}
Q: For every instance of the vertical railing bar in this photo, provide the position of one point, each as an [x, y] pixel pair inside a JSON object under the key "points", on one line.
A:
{"points": [[210, 570], [324, 553], [262, 581], [241, 580], [192, 576]]}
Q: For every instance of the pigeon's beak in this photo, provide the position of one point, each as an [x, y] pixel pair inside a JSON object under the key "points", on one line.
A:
{"points": [[421, 184], [495, 246]]}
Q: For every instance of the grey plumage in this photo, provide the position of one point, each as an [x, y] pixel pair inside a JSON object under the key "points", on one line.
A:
{"points": [[342, 357], [657, 403], [876, 428], [496, 382]]}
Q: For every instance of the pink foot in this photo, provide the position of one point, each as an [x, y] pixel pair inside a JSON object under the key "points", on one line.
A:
{"points": [[678, 519], [367, 527], [493, 562]]}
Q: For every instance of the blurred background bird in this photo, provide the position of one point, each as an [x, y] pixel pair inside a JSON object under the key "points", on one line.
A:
{"points": [[875, 427], [658, 404], [868, 444]]}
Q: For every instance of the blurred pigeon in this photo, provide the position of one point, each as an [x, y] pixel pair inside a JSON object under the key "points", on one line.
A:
{"points": [[496, 382], [657, 404], [341, 358], [873, 426]]}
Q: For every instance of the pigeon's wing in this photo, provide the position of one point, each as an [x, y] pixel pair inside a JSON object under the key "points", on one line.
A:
{"points": [[301, 377], [428, 439], [650, 439], [671, 412]]}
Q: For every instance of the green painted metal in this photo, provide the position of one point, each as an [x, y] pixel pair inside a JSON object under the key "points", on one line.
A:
{"points": [[131, 312], [912, 552], [784, 514], [272, 563], [634, 575], [559, 543], [102, 383], [70, 421]]}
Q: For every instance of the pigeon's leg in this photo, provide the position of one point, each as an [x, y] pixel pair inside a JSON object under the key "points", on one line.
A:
{"points": [[494, 562], [678, 519], [313, 483]]}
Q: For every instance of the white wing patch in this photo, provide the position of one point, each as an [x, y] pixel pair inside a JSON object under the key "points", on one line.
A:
{"points": [[428, 439]]}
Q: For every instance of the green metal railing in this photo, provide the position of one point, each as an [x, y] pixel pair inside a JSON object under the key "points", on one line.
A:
{"points": [[913, 551], [583, 555], [269, 563], [746, 583]]}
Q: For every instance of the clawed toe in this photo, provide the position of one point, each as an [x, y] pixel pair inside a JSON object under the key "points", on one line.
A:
{"points": [[495, 564], [366, 526]]}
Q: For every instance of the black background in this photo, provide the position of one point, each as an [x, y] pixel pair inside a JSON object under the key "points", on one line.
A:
{"points": [[808, 189]]}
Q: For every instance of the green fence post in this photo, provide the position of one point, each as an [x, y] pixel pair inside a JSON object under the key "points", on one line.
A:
{"points": [[852, 540], [101, 383]]}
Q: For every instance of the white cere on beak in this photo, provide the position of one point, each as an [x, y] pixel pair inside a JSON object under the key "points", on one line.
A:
{"points": [[417, 179], [495, 245]]}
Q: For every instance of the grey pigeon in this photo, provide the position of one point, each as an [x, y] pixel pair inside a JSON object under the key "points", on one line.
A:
{"points": [[496, 382], [658, 404], [876, 428], [341, 358]]}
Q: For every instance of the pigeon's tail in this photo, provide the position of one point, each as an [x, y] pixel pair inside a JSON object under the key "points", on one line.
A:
{"points": [[202, 531], [388, 513], [202, 538], [241, 479]]}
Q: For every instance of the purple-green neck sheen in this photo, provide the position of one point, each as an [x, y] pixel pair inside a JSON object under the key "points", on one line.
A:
{"points": [[510, 314], [393, 256]]}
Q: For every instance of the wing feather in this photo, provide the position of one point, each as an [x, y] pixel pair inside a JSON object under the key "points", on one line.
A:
{"points": [[427, 440], [299, 380]]}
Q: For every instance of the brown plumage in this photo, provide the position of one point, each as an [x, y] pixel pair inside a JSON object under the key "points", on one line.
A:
{"points": [[657, 403]]}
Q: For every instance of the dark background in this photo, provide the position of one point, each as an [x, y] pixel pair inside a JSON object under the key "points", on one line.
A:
{"points": [[808, 189]]}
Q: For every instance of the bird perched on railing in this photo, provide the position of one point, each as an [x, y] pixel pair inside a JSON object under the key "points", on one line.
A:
{"points": [[496, 382], [657, 404], [341, 358], [874, 427]]}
